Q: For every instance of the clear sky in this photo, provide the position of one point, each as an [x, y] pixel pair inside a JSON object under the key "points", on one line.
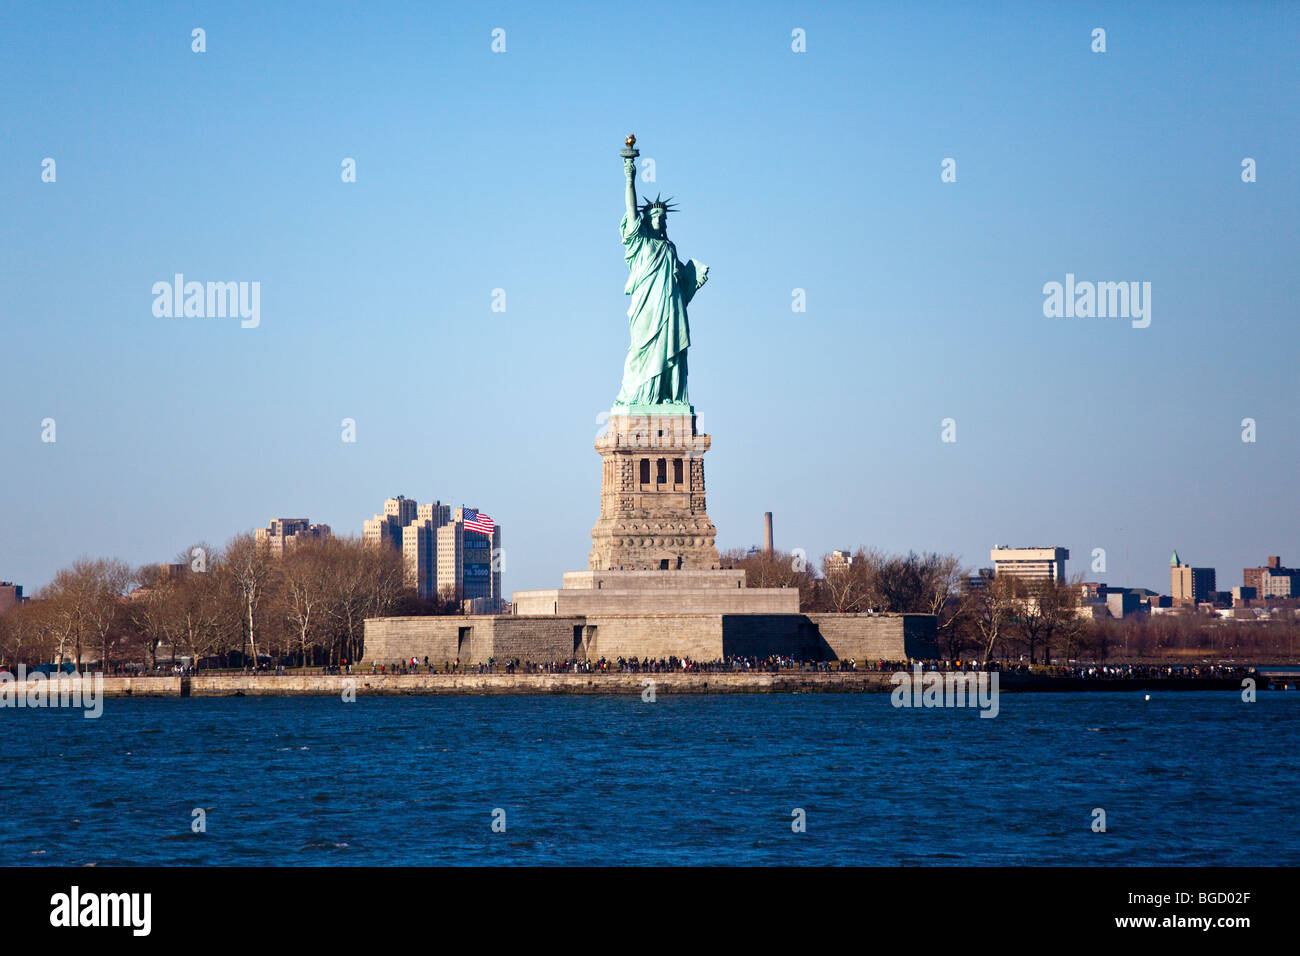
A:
{"points": [[817, 171]]}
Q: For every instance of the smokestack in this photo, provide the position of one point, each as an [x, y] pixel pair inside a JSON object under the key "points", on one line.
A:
{"points": [[767, 531]]}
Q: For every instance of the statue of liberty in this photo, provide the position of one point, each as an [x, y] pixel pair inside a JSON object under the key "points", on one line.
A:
{"points": [[661, 287]]}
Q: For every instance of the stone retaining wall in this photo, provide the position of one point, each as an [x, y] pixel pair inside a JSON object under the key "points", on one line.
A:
{"points": [[474, 639], [333, 685]]}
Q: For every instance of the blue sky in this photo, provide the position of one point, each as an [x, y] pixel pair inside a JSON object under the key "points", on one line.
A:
{"points": [[818, 170]]}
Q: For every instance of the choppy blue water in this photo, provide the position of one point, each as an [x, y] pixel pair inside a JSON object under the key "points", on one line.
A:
{"points": [[1185, 778]]}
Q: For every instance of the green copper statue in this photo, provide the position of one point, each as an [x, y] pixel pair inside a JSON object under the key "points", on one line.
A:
{"points": [[654, 376]]}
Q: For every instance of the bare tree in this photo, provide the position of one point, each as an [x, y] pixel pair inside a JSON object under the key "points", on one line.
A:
{"points": [[27, 633], [65, 621], [365, 582], [206, 610], [152, 608], [902, 584], [383, 580], [992, 611], [253, 571], [108, 580], [308, 569], [447, 597], [944, 594], [1046, 609], [850, 584], [776, 569], [86, 604]]}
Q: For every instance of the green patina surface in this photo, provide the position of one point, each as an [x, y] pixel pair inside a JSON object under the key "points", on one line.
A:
{"points": [[661, 287], [663, 408]]}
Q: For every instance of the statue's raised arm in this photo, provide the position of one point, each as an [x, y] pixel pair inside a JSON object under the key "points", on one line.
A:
{"points": [[629, 168]]}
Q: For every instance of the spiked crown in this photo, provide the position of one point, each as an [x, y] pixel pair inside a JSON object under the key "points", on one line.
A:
{"points": [[657, 203]]}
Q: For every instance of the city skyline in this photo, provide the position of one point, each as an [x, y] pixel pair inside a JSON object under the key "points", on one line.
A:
{"points": [[924, 298], [1062, 573]]}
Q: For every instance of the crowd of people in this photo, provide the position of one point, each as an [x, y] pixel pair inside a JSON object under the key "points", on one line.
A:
{"points": [[1147, 671], [736, 664], [776, 663], [1076, 670]]}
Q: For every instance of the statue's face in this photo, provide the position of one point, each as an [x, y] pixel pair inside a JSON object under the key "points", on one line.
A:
{"points": [[659, 220]]}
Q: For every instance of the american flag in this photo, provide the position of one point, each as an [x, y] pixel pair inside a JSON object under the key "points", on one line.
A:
{"points": [[475, 521]]}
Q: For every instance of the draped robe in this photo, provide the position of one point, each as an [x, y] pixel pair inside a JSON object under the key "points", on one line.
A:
{"points": [[660, 287]]}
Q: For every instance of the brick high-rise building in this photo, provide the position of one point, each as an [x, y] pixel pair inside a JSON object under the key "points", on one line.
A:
{"points": [[1279, 582], [1272, 579]]}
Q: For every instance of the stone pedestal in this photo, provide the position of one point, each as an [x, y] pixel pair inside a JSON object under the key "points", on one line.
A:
{"points": [[657, 592], [652, 508]]}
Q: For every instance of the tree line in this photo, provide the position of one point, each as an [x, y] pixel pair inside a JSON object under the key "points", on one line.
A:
{"points": [[1005, 617], [228, 606], [242, 603]]}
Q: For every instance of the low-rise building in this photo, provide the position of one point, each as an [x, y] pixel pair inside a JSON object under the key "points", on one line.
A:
{"points": [[1092, 591], [1123, 602]]}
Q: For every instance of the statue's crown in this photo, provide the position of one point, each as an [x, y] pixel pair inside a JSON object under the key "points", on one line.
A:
{"points": [[658, 203]]}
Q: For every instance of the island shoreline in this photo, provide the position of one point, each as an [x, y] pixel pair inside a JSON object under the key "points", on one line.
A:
{"points": [[669, 683]]}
